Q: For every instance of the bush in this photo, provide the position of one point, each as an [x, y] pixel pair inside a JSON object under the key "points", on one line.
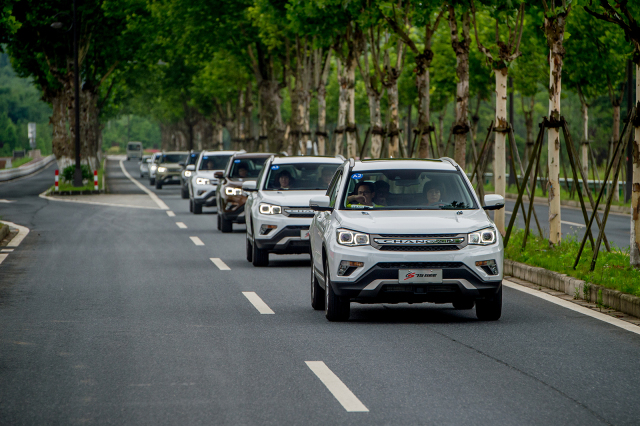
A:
{"points": [[68, 172]]}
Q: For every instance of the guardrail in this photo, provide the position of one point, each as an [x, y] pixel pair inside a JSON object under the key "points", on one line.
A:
{"points": [[26, 169]]}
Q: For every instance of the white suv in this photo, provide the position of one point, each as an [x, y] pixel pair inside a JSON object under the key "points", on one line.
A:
{"points": [[394, 231], [277, 208], [202, 185]]}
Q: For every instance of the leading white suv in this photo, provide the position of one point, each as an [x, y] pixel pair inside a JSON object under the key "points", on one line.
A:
{"points": [[277, 208], [393, 231], [202, 184]]}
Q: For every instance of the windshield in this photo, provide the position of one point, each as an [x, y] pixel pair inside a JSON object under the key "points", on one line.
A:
{"points": [[407, 190], [214, 162], [134, 147], [300, 176], [246, 168], [173, 158], [193, 158]]}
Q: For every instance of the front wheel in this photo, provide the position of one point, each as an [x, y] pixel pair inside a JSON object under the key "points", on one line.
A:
{"points": [[317, 293], [225, 224], [260, 257], [185, 193], [152, 181], [490, 310], [158, 184], [335, 308], [249, 249], [219, 219], [197, 208]]}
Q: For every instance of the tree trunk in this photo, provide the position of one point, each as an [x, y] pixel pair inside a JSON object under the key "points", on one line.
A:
{"points": [[343, 106], [393, 128], [635, 194], [424, 113], [271, 100], [248, 116], [89, 129], [554, 31], [321, 133], [500, 153], [61, 142], [352, 144], [461, 49], [375, 120]]}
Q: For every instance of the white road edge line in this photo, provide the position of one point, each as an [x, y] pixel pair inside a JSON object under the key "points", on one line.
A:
{"points": [[197, 241], [181, 225], [170, 213], [257, 302], [220, 264], [22, 232], [3, 257], [566, 222], [574, 307], [340, 391], [153, 196], [6, 250]]}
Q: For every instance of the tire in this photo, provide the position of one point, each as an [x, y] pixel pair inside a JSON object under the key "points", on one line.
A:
{"points": [[259, 257], [197, 208], [184, 193], [317, 293], [152, 181], [219, 226], [190, 206], [226, 226], [249, 249], [158, 184], [335, 308], [490, 310], [464, 304]]}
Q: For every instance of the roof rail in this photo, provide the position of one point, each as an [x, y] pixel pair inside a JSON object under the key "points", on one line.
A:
{"points": [[352, 162], [284, 154], [449, 160], [341, 157]]}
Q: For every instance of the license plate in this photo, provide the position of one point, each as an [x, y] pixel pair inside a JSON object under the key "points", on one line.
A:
{"points": [[420, 276], [304, 234]]}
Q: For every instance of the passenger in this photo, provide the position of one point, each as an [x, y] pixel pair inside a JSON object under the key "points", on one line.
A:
{"points": [[243, 171], [325, 178], [364, 195], [209, 165], [285, 180], [382, 193], [433, 191]]}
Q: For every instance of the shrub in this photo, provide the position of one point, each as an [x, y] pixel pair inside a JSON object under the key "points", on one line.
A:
{"points": [[68, 172]]}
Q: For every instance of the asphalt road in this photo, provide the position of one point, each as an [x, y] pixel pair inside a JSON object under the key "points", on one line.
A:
{"points": [[112, 315]]}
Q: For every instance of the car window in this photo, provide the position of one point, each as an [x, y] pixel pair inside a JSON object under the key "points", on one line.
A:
{"points": [[332, 192], [398, 189], [214, 162], [300, 176], [246, 168], [193, 158], [173, 158]]}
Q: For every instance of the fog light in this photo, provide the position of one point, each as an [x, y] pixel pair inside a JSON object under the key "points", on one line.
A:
{"points": [[489, 266], [347, 267], [265, 229]]}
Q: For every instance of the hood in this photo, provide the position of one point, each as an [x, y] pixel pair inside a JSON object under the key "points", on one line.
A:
{"points": [[207, 174], [290, 198], [413, 221]]}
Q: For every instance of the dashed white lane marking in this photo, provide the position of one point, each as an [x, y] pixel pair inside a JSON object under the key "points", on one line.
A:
{"points": [[197, 241], [170, 213], [181, 225], [339, 390], [566, 222], [153, 196], [257, 302], [6, 250], [22, 232], [220, 264], [7, 201], [3, 257], [574, 307]]}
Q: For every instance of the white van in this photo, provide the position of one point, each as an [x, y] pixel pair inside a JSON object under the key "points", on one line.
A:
{"points": [[134, 150]]}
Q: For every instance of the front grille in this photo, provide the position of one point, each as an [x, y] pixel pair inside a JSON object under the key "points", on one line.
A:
{"points": [[419, 265], [298, 212], [417, 235], [419, 248]]}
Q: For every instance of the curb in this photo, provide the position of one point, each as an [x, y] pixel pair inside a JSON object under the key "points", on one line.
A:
{"points": [[85, 192], [615, 299], [575, 204], [4, 231], [27, 169]]}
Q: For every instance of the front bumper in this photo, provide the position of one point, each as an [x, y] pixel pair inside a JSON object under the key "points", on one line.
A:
{"points": [[286, 237], [378, 280], [205, 195], [169, 177]]}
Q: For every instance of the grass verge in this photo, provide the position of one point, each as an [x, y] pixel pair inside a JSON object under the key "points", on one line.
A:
{"points": [[612, 269], [20, 161], [68, 186]]}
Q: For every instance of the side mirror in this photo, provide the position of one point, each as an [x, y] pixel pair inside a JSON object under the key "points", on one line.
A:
{"points": [[249, 186], [321, 203], [493, 202], [181, 163], [218, 175], [191, 167]]}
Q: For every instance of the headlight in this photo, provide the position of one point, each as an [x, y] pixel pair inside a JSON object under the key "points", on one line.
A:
{"points": [[352, 238], [233, 191], [153, 167], [187, 173], [203, 181], [162, 169], [484, 237], [270, 209]]}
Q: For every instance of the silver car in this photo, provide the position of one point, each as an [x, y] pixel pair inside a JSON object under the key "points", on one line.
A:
{"points": [[202, 184], [144, 165], [153, 167]]}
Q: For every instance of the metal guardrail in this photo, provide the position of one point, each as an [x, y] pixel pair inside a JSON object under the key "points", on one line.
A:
{"points": [[26, 169]]}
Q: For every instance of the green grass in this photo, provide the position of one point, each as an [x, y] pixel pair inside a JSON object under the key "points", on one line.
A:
{"points": [[20, 161], [68, 186], [612, 269]]}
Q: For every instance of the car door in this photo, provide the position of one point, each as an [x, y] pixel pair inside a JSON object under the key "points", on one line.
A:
{"points": [[322, 220], [253, 199]]}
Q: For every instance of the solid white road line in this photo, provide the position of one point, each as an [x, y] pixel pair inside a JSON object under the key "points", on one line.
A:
{"points": [[6, 250], [22, 232], [170, 213], [566, 222], [197, 241], [153, 196], [181, 225], [3, 257], [574, 307], [220, 264], [339, 390], [257, 302]]}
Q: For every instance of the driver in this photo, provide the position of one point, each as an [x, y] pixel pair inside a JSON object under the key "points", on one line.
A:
{"points": [[243, 171], [364, 195], [433, 192], [285, 179]]}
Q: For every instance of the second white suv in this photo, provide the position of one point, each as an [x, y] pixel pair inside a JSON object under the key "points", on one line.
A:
{"points": [[394, 231], [202, 185]]}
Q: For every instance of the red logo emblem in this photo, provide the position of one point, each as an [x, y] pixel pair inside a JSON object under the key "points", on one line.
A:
{"points": [[410, 275]]}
